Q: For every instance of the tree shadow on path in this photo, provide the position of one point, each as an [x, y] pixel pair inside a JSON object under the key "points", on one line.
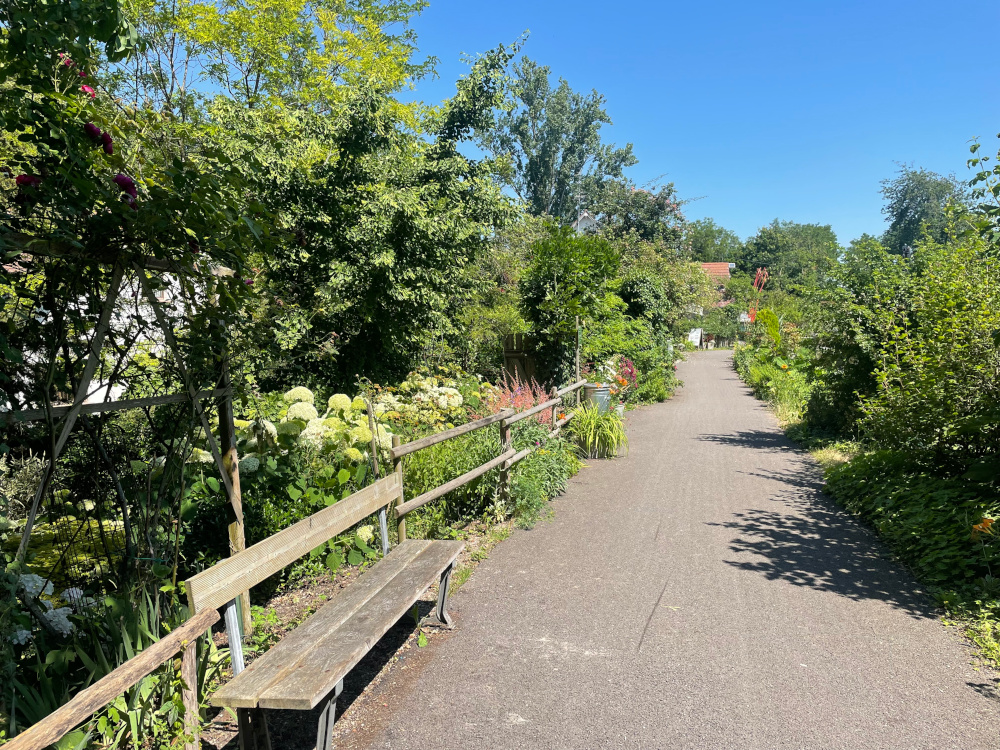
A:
{"points": [[805, 539]]}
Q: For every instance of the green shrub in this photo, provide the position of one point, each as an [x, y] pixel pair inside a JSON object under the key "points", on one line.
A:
{"points": [[927, 520]]}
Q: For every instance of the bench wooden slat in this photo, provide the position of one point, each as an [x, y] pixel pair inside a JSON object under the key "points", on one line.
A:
{"points": [[223, 581], [337, 652], [284, 656]]}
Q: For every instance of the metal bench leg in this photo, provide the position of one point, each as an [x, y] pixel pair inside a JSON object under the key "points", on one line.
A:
{"points": [[442, 609], [324, 729]]}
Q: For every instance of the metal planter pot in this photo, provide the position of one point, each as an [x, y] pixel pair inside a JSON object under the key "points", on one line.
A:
{"points": [[600, 395]]}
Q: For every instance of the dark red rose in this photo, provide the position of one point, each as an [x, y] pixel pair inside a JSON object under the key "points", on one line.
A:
{"points": [[126, 184], [28, 180], [93, 132], [109, 148]]}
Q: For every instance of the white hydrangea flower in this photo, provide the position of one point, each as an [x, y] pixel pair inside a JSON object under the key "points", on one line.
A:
{"points": [[20, 637], [358, 404], [353, 454], [302, 410], [199, 456], [59, 620], [241, 424], [313, 433], [34, 585], [270, 429], [361, 434], [442, 402], [300, 395], [339, 402], [249, 465], [383, 437], [366, 534], [332, 423]]}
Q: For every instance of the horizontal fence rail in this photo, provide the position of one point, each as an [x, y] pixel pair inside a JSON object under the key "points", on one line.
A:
{"points": [[439, 437], [57, 724]]}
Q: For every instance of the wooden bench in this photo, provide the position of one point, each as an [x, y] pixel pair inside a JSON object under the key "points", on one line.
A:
{"points": [[307, 667]]}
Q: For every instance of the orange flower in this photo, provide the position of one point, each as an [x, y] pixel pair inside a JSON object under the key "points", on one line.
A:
{"points": [[562, 415], [984, 527]]}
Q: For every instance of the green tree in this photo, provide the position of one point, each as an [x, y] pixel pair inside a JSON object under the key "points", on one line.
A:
{"points": [[712, 243], [652, 215], [793, 253], [551, 135], [568, 278], [916, 201]]}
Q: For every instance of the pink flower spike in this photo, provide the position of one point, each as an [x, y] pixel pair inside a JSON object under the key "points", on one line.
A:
{"points": [[89, 90]]}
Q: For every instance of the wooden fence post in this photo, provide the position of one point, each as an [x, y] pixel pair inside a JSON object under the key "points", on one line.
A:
{"points": [[398, 468], [505, 445], [189, 695], [577, 380], [554, 394]]}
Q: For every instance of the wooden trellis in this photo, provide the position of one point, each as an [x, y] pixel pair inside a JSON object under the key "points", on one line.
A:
{"points": [[64, 418]]}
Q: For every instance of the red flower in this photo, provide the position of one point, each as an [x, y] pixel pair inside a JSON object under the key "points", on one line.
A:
{"points": [[89, 90], [93, 132], [82, 74], [28, 180], [109, 149], [126, 183]]}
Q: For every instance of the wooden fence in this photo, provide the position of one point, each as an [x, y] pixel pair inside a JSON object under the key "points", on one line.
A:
{"points": [[183, 640]]}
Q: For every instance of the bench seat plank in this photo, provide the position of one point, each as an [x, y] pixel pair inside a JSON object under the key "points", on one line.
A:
{"points": [[337, 653], [306, 665], [242, 691]]}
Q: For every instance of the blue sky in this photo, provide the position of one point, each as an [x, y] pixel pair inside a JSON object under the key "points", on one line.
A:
{"points": [[760, 110]]}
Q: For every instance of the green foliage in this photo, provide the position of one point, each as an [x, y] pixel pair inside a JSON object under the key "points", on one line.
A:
{"points": [[926, 519], [938, 369], [711, 243], [916, 206], [599, 435], [568, 277], [793, 253], [552, 139]]}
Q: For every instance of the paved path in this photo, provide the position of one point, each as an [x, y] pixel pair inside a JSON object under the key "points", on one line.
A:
{"points": [[698, 593]]}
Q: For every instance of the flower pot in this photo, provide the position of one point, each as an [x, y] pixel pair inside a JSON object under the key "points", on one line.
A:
{"points": [[620, 410], [600, 395]]}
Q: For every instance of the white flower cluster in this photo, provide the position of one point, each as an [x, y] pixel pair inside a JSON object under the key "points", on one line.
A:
{"points": [[366, 534], [21, 637], [34, 585], [59, 620], [302, 411], [300, 395]]}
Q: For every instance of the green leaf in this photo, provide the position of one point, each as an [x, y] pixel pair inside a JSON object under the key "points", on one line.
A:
{"points": [[343, 476], [421, 639], [294, 492], [213, 483], [334, 560], [355, 558]]}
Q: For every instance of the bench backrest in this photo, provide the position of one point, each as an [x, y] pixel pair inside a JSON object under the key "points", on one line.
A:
{"points": [[221, 583]]}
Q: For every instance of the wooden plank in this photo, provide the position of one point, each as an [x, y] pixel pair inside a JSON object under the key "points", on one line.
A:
{"points": [[416, 445], [564, 421], [573, 387], [189, 695], [534, 410], [403, 508], [33, 415], [50, 729], [283, 658], [335, 655], [214, 587]]}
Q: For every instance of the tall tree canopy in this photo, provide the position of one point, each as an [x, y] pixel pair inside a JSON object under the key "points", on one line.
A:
{"points": [[792, 252], [552, 137], [712, 243], [916, 201]]}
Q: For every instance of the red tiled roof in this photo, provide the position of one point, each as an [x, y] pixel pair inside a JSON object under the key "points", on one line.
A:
{"points": [[716, 270]]}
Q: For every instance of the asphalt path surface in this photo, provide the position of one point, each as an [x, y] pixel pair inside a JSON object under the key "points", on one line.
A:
{"points": [[697, 593]]}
